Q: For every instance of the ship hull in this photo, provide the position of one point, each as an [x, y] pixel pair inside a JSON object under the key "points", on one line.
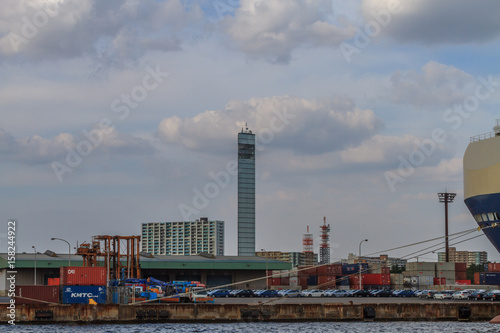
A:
{"points": [[486, 211], [482, 185]]}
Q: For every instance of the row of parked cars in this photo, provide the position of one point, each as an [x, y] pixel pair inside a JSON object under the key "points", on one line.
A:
{"points": [[468, 294]]}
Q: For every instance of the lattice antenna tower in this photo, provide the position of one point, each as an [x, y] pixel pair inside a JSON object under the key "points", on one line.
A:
{"points": [[307, 242], [324, 248]]}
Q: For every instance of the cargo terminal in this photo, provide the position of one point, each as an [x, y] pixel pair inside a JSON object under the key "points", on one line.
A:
{"points": [[210, 270]]}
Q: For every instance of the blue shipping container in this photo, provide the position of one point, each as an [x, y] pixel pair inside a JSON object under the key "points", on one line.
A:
{"points": [[82, 294], [348, 269], [343, 281], [312, 280], [490, 278]]}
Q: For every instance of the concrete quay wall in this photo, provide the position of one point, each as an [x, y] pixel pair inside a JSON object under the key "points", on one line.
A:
{"points": [[85, 313]]}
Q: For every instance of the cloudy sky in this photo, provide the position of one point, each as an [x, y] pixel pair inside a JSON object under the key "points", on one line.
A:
{"points": [[119, 112]]}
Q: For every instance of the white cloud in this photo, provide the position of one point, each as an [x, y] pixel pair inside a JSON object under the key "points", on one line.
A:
{"points": [[273, 29], [39, 150], [111, 32], [303, 126], [438, 22], [435, 85]]}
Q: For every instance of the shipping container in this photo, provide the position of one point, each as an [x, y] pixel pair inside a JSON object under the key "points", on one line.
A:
{"points": [[294, 281], [285, 281], [494, 267], [83, 276], [45, 294], [426, 280], [293, 273], [326, 282], [396, 279], [490, 278], [445, 266], [446, 274], [312, 280], [460, 267], [276, 281], [463, 282], [348, 269], [327, 270], [343, 281], [460, 275], [439, 281], [486, 267], [420, 273], [376, 279], [420, 266], [476, 278], [53, 281], [303, 282], [337, 269], [83, 294]]}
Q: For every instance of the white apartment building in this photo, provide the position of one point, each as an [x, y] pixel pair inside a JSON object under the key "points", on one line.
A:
{"points": [[183, 238]]}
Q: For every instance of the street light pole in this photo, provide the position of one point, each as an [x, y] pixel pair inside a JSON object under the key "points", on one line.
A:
{"points": [[359, 261], [446, 198], [267, 281], [69, 248], [35, 261]]}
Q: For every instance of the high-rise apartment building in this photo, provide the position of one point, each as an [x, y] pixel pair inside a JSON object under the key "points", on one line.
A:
{"points": [[470, 258], [183, 238], [296, 258], [246, 193]]}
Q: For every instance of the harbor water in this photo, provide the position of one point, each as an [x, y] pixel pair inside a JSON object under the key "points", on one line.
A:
{"points": [[268, 327]]}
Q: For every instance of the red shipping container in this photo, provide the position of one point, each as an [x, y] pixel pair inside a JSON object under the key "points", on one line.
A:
{"points": [[460, 275], [303, 282], [276, 282], [462, 282], [439, 281], [302, 271], [325, 270], [494, 267], [46, 294], [285, 281], [476, 278], [326, 282], [311, 271], [460, 267], [355, 286], [83, 276]]}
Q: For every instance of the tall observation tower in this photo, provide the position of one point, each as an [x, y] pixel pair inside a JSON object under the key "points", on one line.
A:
{"points": [[324, 248], [246, 193]]}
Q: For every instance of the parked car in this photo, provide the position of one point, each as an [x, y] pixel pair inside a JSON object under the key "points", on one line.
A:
{"points": [[477, 294], [382, 293], [219, 293], [313, 293], [269, 293], [443, 294], [339, 293], [361, 293], [493, 295], [427, 294], [201, 297], [292, 293], [460, 295], [406, 293], [245, 293]]}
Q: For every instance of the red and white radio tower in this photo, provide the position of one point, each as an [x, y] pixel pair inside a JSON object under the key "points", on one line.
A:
{"points": [[324, 248], [308, 242]]}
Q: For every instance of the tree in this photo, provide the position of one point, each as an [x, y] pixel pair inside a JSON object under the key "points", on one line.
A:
{"points": [[474, 269]]}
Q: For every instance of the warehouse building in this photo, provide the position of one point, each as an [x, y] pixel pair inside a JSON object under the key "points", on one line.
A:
{"points": [[210, 270]]}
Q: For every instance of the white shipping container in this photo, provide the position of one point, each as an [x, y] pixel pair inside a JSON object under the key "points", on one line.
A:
{"points": [[421, 266], [294, 281], [426, 280], [419, 273], [445, 266]]}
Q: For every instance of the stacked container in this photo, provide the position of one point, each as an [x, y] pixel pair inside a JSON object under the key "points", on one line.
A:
{"points": [[81, 284], [30, 294]]}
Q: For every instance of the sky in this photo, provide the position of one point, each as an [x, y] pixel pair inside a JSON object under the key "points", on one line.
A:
{"points": [[119, 112]]}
